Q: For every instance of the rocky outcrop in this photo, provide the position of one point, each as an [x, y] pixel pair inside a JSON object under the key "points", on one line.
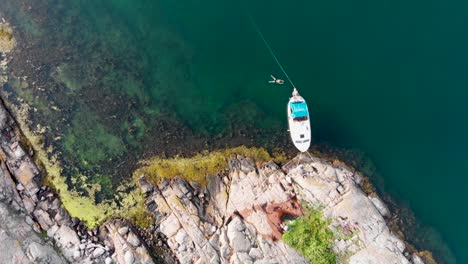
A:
{"points": [[19, 243], [42, 211], [127, 245], [239, 217]]}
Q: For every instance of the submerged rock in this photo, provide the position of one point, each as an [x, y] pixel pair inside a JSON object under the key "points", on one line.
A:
{"points": [[7, 41]]}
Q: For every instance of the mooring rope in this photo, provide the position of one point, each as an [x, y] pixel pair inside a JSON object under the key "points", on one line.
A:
{"points": [[259, 32]]}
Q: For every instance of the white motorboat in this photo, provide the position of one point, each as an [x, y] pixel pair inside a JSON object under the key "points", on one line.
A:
{"points": [[299, 123]]}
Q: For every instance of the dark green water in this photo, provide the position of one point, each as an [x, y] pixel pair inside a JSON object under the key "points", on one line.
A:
{"points": [[386, 77]]}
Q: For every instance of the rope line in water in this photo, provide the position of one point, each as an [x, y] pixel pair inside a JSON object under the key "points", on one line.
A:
{"points": [[254, 24]]}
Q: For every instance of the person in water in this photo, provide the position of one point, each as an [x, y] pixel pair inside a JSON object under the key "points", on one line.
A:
{"points": [[275, 80]]}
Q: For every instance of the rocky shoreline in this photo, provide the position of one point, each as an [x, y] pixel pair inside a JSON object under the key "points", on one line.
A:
{"points": [[116, 240], [237, 218]]}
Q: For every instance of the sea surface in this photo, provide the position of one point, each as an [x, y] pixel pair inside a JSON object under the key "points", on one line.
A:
{"points": [[389, 78]]}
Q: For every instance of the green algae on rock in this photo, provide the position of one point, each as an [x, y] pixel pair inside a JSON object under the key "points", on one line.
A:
{"points": [[199, 167]]}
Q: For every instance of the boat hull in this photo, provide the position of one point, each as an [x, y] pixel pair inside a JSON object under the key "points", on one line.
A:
{"points": [[299, 128]]}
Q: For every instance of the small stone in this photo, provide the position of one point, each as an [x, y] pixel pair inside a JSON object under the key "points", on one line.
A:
{"points": [[36, 228], [51, 232], [133, 239], [19, 187], [181, 237], [29, 220], [123, 230], [36, 251], [182, 248], [145, 186], [76, 254], [226, 180], [340, 189], [108, 261], [170, 226], [256, 253], [416, 259], [55, 204], [98, 252], [29, 204], [129, 258], [75, 221]]}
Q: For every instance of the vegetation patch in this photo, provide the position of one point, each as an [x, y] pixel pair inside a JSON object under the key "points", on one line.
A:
{"points": [[199, 167], [88, 141], [311, 236]]}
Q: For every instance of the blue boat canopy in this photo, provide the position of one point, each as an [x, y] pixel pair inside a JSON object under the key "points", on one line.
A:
{"points": [[299, 109]]}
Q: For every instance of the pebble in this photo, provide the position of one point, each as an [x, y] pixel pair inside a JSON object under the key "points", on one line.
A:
{"points": [[133, 239], [29, 220], [98, 252], [123, 230], [36, 228], [19, 187], [129, 258], [76, 254]]}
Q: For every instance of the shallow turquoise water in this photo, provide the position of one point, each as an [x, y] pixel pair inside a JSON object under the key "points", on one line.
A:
{"points": [[386, 77]]}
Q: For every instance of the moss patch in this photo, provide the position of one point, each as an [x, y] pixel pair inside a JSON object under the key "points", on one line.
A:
{"points": [[311, 236], [199, 167]]}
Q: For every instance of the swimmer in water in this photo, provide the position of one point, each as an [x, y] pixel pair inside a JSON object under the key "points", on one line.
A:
{"points": [[275, 80]]}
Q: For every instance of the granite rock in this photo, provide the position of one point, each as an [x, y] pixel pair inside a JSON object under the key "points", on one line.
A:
{"points": [[241, 221]]}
